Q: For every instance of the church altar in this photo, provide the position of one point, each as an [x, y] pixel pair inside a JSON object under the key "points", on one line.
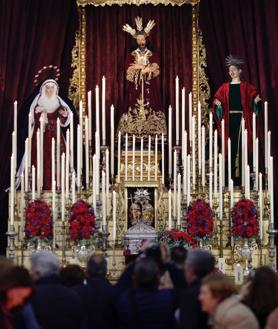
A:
{"points": [[161, 172]]}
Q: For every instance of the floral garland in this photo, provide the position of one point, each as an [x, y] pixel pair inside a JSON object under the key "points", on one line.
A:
{"points": [[245, 219], [199, 220], [175, 237], [82, 221], [38, 221]]}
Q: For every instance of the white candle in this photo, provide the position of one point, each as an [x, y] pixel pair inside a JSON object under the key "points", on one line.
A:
{"points": [[126, 155], [114, 216], [94, 182], [231, 193], [149, 158], [238, 274], [21, 205], [223, 150], [38, 163], [52, 160], [215, 162], [190, 116], [54, 210], [107, 179], [141, 159], [265, 132], [73, 187], [170, 141], [184, 162], [199, 123], [155, 158], [162, 160], [247, 183], [242, 152], [41, 149], [90, 114], [220, 187], [103, 118], [71, 142], [119, 157], [254, 140], [58, 156], [193, 153], [210, 189], [15, 130], [203, 157], [270, 183], [33, 182], [177, 112], [103, 198], [188, 179], [29, 138], [179, 200], [261, 204], [175, 185], [87, 151], [245, 150], [14, 147], [256, 163], [12, 195], [67, 162], [229, 162], [26, 164], [210, 140], [97, 109], [63, 187], [169, 209], [81, 133], [183, 109], [78, 178], [133, 157], [112, 144]]}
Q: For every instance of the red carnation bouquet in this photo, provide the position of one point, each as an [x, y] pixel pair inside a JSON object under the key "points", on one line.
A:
{"points": [[38, 221], [245, 222], [175, 237], [199, 220], [82, 222]]}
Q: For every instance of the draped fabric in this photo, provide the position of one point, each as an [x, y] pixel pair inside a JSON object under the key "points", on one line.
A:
{"points": [[246, 29], [108, 47], [33, 34]]}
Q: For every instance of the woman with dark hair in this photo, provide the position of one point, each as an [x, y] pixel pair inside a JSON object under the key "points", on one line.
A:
{"points": [[72, 275], [16, 287], [262, 294]]}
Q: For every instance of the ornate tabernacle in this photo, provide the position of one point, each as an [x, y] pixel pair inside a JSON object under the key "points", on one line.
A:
{"points": [[144, 185]]}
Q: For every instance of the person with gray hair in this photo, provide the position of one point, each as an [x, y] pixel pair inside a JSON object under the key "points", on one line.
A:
{"points": [[198, 264], [55, 306], [44, 263]]}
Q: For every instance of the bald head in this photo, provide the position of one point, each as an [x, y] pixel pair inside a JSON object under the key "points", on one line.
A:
{"points": [[97, 267]]}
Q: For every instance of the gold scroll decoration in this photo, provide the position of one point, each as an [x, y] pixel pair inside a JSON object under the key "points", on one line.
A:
{"points": [[135, 2]]}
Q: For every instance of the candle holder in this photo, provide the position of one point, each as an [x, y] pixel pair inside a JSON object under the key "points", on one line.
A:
{"points": [[11, 234], [103, 149], [64, 233], [183, 212], [272, 232], [103, 236], [177, 148]]}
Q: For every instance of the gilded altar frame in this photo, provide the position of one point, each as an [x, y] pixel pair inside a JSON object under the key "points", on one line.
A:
{"points": [[200, 86]]}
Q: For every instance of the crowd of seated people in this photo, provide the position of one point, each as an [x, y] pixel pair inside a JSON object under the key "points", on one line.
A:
{"points": [[158, 289]]}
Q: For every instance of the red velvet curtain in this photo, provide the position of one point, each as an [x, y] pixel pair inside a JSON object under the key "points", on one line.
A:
{"points": [[33, 34], [108, 46], [247, 29]]}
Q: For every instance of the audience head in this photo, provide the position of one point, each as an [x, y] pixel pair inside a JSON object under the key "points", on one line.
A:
{"points": [[198, 264], [72, 275], [16, 285], [44, 264], [214, 289], [146, 274], [262, 292], [154, 252], [97, 267], [178, 255]]}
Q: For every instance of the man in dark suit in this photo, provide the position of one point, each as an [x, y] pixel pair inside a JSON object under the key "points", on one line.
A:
{"points": [[144, 306], [98, 296], [197, 265], [54, 305]]}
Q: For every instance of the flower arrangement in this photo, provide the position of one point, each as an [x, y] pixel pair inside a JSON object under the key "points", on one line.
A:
{"points": [[175, 237], [82, 222], [245, 219], [38, 221], [199, 220]]}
